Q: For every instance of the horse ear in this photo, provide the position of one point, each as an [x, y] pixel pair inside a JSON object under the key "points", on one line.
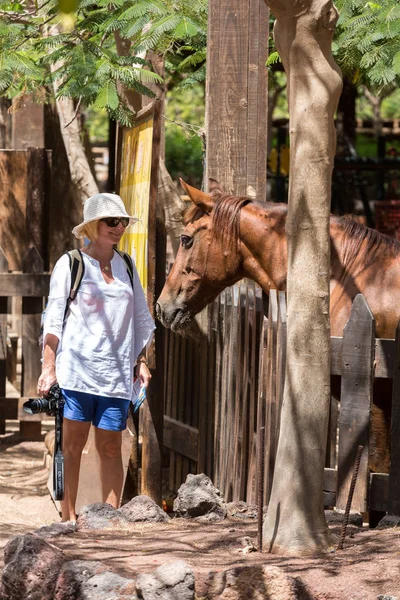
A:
{"points": [[202, 200], [214, 186]]}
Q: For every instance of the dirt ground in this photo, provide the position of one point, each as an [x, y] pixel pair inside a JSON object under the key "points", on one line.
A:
{"points": [[368, 567]]}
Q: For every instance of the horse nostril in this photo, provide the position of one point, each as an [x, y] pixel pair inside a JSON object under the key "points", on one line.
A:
{"points": [[158, 310]]}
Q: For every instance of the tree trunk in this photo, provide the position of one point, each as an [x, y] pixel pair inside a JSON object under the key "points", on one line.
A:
{"points": [[174, 206], [71, 132], [81, 174], [295, 521]]}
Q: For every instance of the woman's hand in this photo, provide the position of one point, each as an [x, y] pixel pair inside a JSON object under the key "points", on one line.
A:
{"points": [[45, 381], [144, 374]]}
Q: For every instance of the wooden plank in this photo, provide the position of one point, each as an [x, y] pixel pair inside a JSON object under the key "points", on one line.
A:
{"points": [[257, 95], [27, 285], [385, 354], [152, 412], [257, 315], [223, 449], [241, 395], [331, 445], [394, 485], [36, 231], [262, 400], [217, 328], [330, 484], [181, 438], [232, 335], [355, 404], [3, 342], [281, 338], [379, 493], [271, 415], [227, 106], [203, 391], [210, 391], [13, 169], [30, 326], [236, 96]]}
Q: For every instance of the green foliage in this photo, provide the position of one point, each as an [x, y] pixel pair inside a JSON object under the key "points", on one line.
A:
{"points": [[36, 50], [367, 43], [183, 128]]}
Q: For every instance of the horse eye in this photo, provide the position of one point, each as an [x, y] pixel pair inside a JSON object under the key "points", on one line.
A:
{"points": [[186, 241]]}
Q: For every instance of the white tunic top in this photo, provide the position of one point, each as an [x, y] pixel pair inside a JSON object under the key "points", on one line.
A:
{"points": [[106, 327]]}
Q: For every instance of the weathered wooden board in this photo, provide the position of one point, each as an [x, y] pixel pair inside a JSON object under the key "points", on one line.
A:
{"points": [[394, 485], [356, 398]]}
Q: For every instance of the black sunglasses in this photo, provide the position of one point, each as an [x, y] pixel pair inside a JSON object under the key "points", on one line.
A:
{"points": [[115, 221]]}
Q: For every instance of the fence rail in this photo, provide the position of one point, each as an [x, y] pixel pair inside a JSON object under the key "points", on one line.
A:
{"points": [[32, 285], [225, 380]]}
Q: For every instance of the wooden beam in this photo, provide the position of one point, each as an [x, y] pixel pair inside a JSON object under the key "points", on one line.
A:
{"points": [[28, 285], [181, 438], [385, 353]]}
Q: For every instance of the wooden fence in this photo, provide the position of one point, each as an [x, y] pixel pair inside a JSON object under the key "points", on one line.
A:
{"points": [[32, 285], [225, 380], [24, 236]]}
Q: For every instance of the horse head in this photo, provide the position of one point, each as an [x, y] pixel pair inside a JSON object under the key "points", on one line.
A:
{"points": [[207, 260]]}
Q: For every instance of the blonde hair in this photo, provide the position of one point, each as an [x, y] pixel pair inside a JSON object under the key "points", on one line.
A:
{"points": [[90, 230]]}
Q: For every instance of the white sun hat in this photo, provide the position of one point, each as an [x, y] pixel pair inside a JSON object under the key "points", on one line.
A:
{"points": [[101, 206]]}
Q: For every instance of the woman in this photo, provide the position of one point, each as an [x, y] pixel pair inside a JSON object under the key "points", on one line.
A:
{"points": [[92, 352]]}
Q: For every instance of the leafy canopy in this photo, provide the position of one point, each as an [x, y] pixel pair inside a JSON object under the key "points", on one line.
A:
{"points": [[37, 51], [366, 44]]}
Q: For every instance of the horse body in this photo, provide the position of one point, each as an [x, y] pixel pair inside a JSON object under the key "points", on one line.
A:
{"points": [[228, 238]]}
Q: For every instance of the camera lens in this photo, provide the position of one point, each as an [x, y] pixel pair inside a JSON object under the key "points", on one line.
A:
{"points": [[36, 405]]}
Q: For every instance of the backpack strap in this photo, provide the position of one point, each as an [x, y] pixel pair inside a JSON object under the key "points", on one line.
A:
{"points": [[77, 268], [128, 262]]}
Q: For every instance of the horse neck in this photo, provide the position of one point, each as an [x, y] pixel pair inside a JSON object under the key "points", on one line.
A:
{"points": [[263, 244]]}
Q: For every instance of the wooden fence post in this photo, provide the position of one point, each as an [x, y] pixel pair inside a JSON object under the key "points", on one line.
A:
{"points": [[31, 368], [355, 403], [3, 342], [394, 478]]}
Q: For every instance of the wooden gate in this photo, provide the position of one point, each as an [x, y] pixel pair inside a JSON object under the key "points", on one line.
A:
{"points": [[226, 382]]}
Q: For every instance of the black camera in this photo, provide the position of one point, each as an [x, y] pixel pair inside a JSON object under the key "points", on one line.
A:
{"points": [[52, 405]]}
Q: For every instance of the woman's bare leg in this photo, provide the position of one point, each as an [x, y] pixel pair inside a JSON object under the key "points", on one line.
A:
{"points": [[75, 435], [108, 444]]}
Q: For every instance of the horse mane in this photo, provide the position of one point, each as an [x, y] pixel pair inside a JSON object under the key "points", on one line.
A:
{"points": [[225, 216], [356, 234], [226, 223]]}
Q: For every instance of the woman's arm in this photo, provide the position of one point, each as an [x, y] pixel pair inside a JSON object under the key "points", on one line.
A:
{"points": [[48, 376]]}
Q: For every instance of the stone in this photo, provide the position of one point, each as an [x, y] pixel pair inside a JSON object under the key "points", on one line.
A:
{"points": [[388, 521], [241, 510], [256, 582], [198, 497], [336, 517], [98, 516], [173, 581], [142, 508], [31, 568], [90, 580], [56, 529]]}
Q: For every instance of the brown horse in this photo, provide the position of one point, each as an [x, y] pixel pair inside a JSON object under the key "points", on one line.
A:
{"points": [[227, 238]]}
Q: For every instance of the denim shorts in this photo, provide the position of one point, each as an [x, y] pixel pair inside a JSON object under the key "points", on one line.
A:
{"points": [[106, 413]]}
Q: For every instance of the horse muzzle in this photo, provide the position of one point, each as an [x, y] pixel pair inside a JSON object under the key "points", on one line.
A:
{"points": [[173, 317]]}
